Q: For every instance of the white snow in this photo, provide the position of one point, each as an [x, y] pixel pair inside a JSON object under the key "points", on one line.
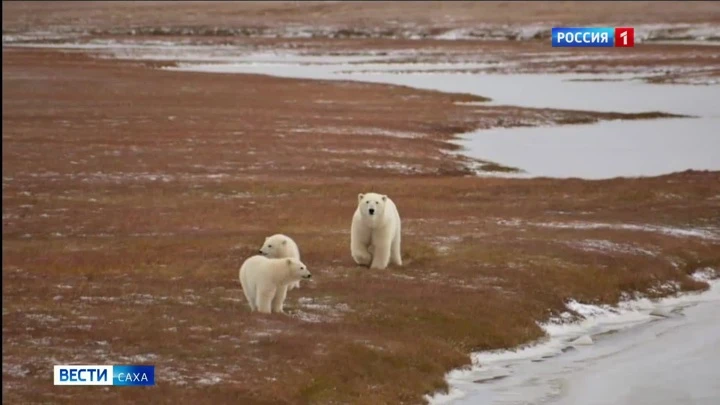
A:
{"points": [[665, 230], [317, 310], [606, 246], [211, 379], [15, 370], [709, 234], [583, 340], [705, 274], [698, 33], [367, 131]]}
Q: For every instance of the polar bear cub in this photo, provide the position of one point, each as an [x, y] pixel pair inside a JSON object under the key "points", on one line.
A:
{"points": [[375, 232], [264, 281], [280, 246]]}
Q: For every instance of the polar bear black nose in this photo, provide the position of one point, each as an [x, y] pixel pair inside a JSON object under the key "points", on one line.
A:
{"points": [[371, 210]]}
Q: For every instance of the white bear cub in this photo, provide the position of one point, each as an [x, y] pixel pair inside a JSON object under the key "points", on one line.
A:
{"points": [[264, 281], [375, 232], [280, 246]]}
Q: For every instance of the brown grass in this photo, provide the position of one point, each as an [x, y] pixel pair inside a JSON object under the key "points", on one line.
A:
{"points": [[131, 196], [222, 18], [384, 27]]}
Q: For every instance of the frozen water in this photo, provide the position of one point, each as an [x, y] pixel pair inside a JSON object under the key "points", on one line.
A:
{"points": [[603, 150], [596, 151], [636, 358]]}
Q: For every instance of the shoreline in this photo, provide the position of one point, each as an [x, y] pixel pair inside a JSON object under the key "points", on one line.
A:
{"points": [[571, 335]]}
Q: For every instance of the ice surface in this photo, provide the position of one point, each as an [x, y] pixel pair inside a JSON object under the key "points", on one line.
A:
{"points": [[636, 358], [603, 150]]}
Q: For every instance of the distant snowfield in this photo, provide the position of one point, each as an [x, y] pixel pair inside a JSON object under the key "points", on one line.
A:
{"points": [[640, 352]]}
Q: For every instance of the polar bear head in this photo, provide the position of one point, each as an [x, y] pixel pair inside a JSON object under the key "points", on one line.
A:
{"points": [[297, 269], [372, 206], [276, 246]]}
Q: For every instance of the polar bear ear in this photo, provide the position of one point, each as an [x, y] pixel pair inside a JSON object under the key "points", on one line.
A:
{"points": [[289, 262], [384, 198], [360, 196]]}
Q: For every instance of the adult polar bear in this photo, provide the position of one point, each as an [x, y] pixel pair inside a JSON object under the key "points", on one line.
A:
{"points": [[375, 232]]}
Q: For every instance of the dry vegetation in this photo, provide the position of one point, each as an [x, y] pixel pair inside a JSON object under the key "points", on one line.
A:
{"points": [[132, 195], [400, 26], [379, 15]]}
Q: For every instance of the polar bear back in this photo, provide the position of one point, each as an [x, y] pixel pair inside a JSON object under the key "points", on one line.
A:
{"points": [[259, 269]]}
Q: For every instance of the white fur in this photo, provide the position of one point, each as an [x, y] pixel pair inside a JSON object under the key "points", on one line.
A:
{"points": [[375, 238], [264, 281], [280, 246]]}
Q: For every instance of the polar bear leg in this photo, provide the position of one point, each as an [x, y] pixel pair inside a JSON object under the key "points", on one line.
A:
{"points": [[277, 302], [395, 254], [264, 299], [381, 253], [359, 240], [362, 258], [250, 297]]}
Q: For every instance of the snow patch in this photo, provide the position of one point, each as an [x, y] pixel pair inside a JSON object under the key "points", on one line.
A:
{"points": [[15, 370], [582, 225], [666, 230], [318, 310], [211, 379], [705, 274], [606, 246]]}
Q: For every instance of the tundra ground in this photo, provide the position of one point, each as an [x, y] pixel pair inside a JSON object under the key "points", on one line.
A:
{"points": [[132, 195]]}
